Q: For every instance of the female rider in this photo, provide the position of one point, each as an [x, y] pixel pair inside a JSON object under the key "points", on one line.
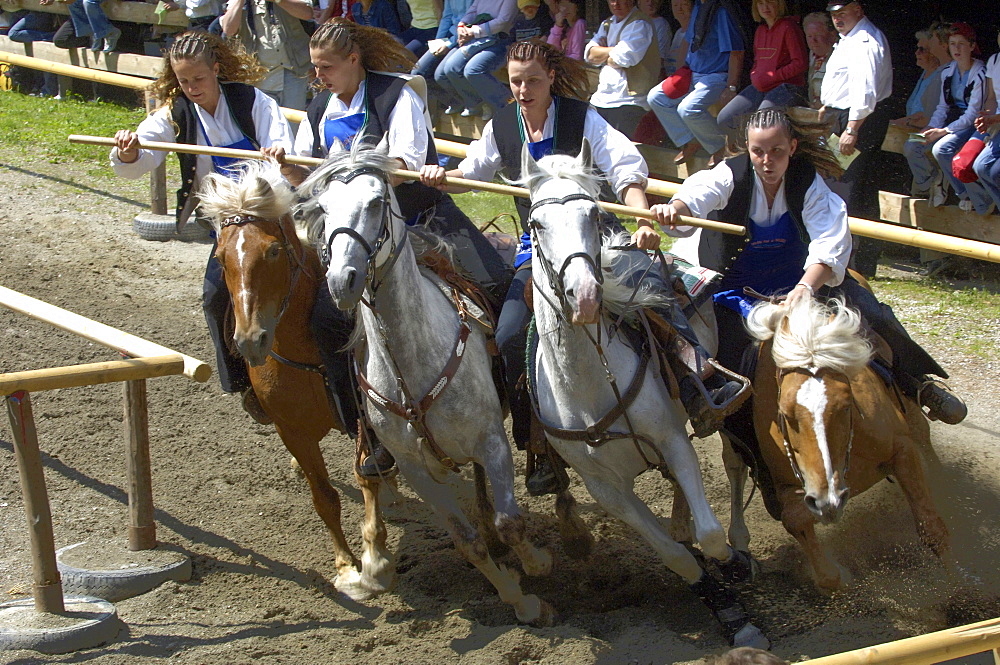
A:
{"points": [[207, 100], [548, 87], [359, 104], [798, 242]]}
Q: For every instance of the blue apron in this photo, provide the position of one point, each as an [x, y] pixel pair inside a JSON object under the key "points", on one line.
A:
{"points": [[771, 262], [224, 165], [345, 129], [538, 149]]}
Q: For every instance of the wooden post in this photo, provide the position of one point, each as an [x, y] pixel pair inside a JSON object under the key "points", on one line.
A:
{"points": [[158, 176], [47, 588], [141, 527]]}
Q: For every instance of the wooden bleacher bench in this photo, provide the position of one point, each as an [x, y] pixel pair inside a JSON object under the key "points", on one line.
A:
{"points": [[950, 220], [130, 64], [117, 10]]}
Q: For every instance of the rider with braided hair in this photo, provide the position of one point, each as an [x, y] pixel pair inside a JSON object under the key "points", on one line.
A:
{"points": [[367, 95], [206, 98], [798, 242], [549, 89]]}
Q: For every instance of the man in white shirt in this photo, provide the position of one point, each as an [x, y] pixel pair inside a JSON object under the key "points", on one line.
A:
{"points": [[858, 79], [625, 47]]}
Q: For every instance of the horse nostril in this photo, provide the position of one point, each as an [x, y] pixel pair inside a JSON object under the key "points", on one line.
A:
{"points": [[811, 503], [569, 292], [351, 274]]}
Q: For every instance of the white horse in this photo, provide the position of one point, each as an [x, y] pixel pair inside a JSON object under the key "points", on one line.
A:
{"points": [[432, 420], [610, 432]]}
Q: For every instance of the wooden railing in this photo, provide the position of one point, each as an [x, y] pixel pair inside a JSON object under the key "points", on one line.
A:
{"points": [[116, 10]]}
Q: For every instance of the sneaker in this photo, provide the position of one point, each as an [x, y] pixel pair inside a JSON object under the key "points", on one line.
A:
{"points": [[990, 209], [111, 39], [252, 405], [379, 462], [453, 109], [966, 205], [938, 194], [96, 44], [469, 112], [487, 113], [543, 479], [932, 268], [941, 403]]}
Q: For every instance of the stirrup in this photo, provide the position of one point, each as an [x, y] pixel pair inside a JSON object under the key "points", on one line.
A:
{"points": [[709, 419]]}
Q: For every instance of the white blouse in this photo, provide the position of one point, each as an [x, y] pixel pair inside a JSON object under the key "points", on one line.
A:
{"points": [[628, 47], [407, 127], [221, 128], [824, 214], [613, 153]]}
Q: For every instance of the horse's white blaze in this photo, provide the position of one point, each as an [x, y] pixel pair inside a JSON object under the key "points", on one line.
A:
{"points": [[812, 397], [241, 257]]}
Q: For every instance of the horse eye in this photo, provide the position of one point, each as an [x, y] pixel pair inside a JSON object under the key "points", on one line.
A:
{"points": [[535, 225], [274, 250]]}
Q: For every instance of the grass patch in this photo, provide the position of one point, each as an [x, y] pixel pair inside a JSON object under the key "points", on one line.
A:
{"points": [[40, 125]]}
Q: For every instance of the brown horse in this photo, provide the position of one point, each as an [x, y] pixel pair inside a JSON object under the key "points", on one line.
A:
{"points": [[830, 427], [272, 277]]}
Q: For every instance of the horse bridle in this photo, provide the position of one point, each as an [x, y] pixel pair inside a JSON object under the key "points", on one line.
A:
{"points": [[296, 263], [385, 232], [556, 278], [783, 425]]}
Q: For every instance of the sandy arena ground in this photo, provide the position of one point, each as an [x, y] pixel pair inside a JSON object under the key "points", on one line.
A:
{"points": [[225, 494]]}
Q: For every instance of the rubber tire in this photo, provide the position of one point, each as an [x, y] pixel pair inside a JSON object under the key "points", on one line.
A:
{"points": [[161, 228], [85, 635], [115, 585]]}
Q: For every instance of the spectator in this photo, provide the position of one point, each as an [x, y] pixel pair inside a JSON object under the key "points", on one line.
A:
{"points": [[425, 16], [820, 38], [920, 107], [715, 56], [570, 30], [625, 49], [36, 27], [89, 20], [962, 96], [200, 13], [664, 33], [778, 77], [533, 21], [276, 34], [938, 44], [334, 9], [66, 36], [437, 48], [377, 14], [681, 9], [857, 82], [467, 71], [987, 165]]}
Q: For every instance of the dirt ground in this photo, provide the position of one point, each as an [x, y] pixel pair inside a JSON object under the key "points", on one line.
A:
{"points": [[226, 495]]}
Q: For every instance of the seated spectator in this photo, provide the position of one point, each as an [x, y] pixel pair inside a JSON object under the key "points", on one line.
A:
{"points": [[664, 33], [778, 77], [466, 72], [963, 92], [625, 48], [533, 21], [437, 48], [569, 32], [715, 56], [820, 38], [200, 13], [67, 38], [30, 27], [377, 14], [681, 9], [921, 104], [424, 18], [987, 165], [89, 20], [334, 9]]}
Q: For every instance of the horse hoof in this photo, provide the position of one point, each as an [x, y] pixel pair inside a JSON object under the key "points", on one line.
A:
{"points": [[740, 568], [354, 585], [750, 636], [540, 564], [545, 614]]}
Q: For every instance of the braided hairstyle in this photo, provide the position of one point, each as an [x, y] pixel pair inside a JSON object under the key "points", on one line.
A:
{"points": [[570, 76], [811, 137], [379, 51], [235, 64]]}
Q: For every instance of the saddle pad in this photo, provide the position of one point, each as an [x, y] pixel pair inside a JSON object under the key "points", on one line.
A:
{"points": [[476, 312], [696, 279]]}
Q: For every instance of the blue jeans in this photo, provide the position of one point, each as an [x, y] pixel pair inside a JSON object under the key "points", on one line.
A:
{"points": [[987, 167], [924, 168], [293, 92], [944, 150], [425, 67], [32, 27], [732, 118], [470, 76], [89, 19], [687, 118]]}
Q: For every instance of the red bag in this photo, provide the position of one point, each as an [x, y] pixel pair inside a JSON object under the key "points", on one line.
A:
{"points": [[677, 84], [961, 163]]}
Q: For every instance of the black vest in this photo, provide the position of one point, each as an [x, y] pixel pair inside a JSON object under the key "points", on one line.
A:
{"points": [[718, 250], [566, 140], [954, 113], [381, 93], [240, 98]]}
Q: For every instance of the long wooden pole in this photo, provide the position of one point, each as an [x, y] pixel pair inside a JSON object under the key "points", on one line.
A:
{"points": [[138, 474], [126, 344], [399, 173], [90, 374], [111, 78], [47, 588]]}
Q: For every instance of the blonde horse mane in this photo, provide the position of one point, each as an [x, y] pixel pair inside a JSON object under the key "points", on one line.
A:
{"points": [[261, 191], [812, 335]]}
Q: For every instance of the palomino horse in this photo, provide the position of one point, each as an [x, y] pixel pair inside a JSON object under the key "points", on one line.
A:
{"points": [[272, 277], [425, 371], [829, 426], [610, 431]]}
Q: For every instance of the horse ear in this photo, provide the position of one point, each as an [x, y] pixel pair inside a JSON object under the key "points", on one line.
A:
{"points": [[383, 146], [586, 155], [529, 167], [336, 146]]}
